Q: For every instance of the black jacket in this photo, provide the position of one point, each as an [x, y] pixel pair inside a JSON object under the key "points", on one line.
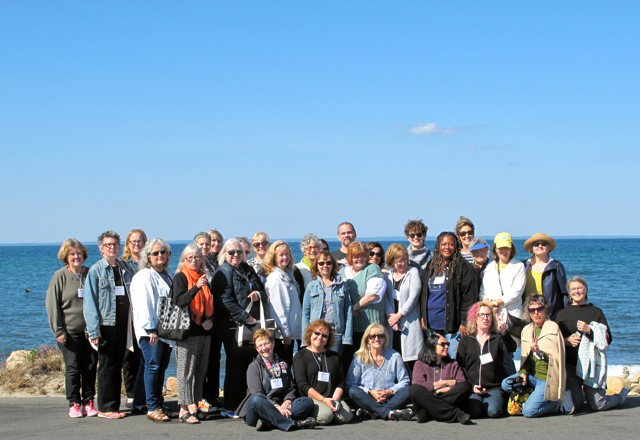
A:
{"points": [[554, 286], [461, 293], [231, 287], [259, 382], [489, 375]]}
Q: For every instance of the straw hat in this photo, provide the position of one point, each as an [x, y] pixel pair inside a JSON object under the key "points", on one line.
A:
{"points": [[528, 245]]}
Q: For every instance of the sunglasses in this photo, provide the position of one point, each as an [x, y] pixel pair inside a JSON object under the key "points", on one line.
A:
{"points": [[260, 243], [322, 263], [233, 252], [376, 254], [415, 235], [533, 310], [540, 244], [444, 344], [377, 336], [156, 253], [321, 335], [465, 233]]}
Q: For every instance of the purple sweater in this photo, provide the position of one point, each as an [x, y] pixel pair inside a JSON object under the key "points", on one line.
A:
{"points": [[426, 375]]}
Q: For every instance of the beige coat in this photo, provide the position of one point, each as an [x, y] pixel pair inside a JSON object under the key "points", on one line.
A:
{"points": [[552, 343]]}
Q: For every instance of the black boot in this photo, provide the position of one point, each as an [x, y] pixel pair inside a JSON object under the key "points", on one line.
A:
{"points": [[308, 423]]}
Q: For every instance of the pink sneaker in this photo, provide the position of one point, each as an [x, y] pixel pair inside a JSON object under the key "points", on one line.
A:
{"points": [[75, 411], [89, 410]]}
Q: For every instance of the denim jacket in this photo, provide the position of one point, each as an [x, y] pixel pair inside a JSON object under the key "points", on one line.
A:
{"points": [[313, 304], [100, 295]]}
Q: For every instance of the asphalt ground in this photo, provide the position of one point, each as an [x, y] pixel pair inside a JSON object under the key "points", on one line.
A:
{"points": [[46, 418]]}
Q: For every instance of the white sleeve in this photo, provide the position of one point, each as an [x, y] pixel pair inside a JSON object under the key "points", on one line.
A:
{"points": [[279, 299], [376, 286]]}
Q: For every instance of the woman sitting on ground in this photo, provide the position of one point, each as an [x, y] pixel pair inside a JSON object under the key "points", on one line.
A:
{"points": [[378, 381], [439, 387], [272, 398], [319, 376], [481, 355]]}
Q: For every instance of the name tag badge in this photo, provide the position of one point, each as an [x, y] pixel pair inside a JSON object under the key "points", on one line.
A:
{"points": [[538, 355], [119, 290], [323, 377], [438, 280], [276, 383], [486, 358], [80, 293]]}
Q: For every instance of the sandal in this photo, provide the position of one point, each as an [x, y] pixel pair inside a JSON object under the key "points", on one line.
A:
{"points": [[189, 418], [157, 416]]}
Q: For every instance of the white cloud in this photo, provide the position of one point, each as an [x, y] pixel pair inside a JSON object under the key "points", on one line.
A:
{"points": [[432, 128]]}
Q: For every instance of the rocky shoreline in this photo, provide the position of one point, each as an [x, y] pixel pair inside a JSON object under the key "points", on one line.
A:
{"points": [[40, 372]]}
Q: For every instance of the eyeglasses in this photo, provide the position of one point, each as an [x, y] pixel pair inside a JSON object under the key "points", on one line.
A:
{"points": [[377, 336], [415, 235], [111, 245], [540, 244], [138, 242], [322, 263], [376, 254], [484, 315], [264, 345], [233, 252], [533, 310], [156, 253], [444, 344], [577, 289], [193, 258], [321, 335], [465, 233], [261, 243]]}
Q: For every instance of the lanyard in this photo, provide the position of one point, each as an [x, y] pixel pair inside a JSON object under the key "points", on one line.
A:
{"points": [[79, 277], [326, 368]]}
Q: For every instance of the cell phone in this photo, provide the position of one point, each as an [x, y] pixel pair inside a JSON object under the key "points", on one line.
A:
{"points": [[336, 405]]}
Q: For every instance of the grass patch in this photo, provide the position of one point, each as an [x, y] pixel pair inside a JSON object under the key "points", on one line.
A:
{"points": [[41, 373]]}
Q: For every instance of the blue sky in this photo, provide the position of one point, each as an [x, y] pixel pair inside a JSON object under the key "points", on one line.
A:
{"points": [[291, 116]]}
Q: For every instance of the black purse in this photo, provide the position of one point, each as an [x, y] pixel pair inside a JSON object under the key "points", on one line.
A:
{"points": [[173, 321], [244, 332]]}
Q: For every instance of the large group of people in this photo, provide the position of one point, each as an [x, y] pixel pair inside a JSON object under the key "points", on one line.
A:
{"points": [[408, 334]]}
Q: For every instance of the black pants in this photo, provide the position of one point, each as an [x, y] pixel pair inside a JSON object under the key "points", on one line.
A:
{"points": [[113, 344], [443, 407], [284, 351], [235, 379], [349, 351], [211, 390], [80, 362], [130, 367]]}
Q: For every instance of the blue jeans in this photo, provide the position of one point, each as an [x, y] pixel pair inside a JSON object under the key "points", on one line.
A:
{"points": [[156, 360], [535, 406], [365, 401], [487, 405], [259, 407], [453, 348]]}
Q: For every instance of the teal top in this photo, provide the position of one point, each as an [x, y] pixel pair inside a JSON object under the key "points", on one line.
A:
{"points": [[373, 313]]}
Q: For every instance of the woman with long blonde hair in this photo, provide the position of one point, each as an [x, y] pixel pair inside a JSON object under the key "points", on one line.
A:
{"points": [[378, 381]]}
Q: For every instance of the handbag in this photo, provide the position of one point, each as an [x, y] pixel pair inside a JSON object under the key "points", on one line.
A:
{"points": [[244, 332], [173, 321], [518, 396]]}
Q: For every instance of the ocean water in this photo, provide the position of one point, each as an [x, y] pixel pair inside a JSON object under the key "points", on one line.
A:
{"points": [[609, 265]]}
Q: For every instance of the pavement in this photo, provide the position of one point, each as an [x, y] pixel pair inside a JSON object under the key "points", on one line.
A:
{"points": [[46, 418]]}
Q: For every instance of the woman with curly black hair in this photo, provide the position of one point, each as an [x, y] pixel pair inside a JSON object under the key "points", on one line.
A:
{"points": [[449, 288]]}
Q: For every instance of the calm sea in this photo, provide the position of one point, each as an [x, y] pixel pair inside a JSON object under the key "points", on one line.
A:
{"points": [[609, 265]]}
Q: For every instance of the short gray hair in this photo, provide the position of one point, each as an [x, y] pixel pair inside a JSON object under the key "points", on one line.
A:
{"points": [[108, 234], [146, 251], [579, 279], [308, 239]]}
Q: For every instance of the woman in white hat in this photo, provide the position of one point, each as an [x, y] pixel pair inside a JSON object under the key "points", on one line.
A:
{"points": [[545, 275]]}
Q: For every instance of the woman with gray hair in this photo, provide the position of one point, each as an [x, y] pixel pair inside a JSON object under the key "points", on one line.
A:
{"points": [[310, 246], [542, 363], [235, 285], [190, 288], [587, 359], [152, 281]]}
